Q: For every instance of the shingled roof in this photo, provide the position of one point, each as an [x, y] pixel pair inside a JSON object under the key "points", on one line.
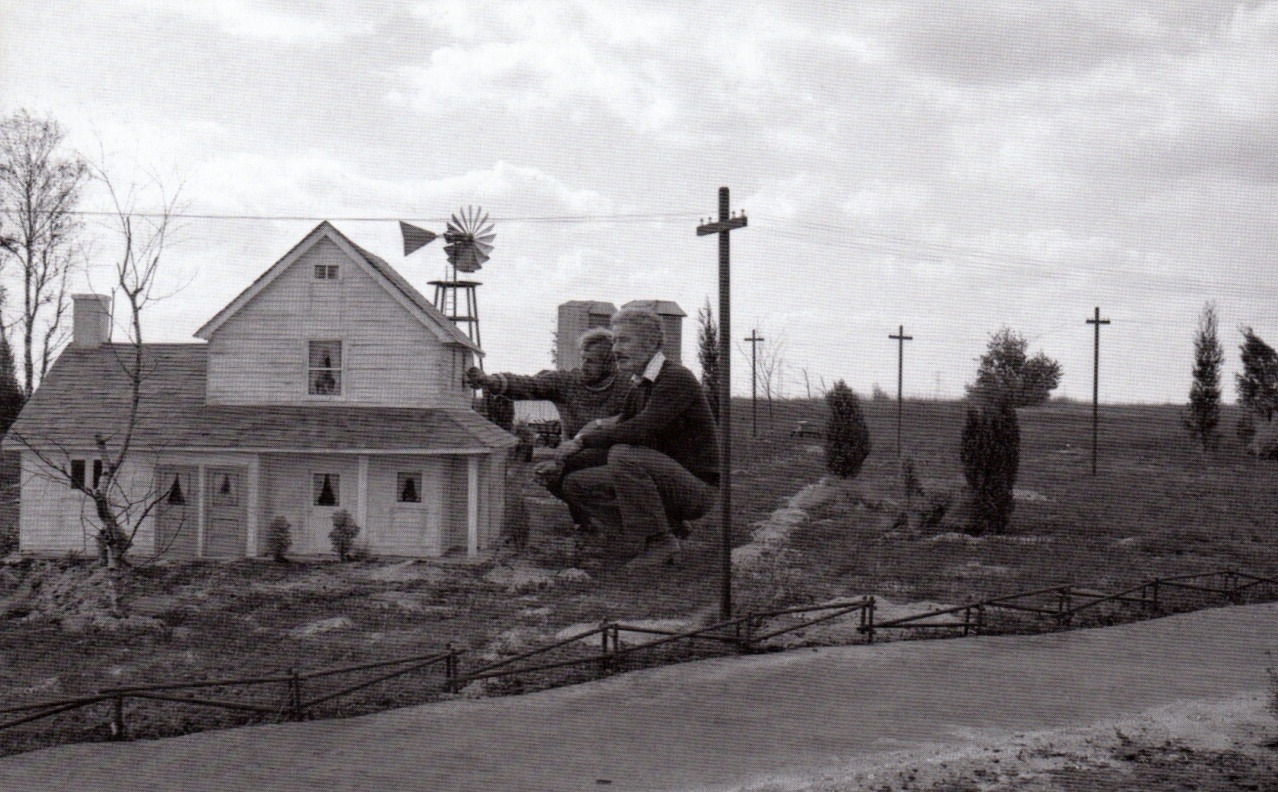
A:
{"points": [[86, 392]]}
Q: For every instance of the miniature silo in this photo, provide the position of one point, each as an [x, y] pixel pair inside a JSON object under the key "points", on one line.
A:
{"points": [[575, 318]]}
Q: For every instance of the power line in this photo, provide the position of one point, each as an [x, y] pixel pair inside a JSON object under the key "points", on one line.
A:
{"points": [[598, 218]]}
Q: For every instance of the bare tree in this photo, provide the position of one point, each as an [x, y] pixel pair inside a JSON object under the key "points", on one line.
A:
{"points": [[120, 506], [39, 189]]}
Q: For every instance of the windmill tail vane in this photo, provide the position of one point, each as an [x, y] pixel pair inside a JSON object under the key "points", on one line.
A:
{"points": [[415, 238]]}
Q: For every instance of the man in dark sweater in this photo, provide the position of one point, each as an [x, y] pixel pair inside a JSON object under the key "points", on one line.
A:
{"points": [[663, 452], [588, 394]]}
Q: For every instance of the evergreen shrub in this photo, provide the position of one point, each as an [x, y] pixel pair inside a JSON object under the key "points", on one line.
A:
{"points": [[847, 439]]}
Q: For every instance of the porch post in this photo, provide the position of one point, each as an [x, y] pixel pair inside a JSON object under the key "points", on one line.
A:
{"points": [[361, 496], [253, 489], [472, 506], [199, 510]]}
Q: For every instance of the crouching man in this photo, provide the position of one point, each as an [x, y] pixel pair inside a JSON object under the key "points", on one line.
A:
{"points": [[583, 396], [662, 463]]}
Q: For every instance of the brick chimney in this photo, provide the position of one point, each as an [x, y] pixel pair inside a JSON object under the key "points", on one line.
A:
{"points": [[91, 320]]}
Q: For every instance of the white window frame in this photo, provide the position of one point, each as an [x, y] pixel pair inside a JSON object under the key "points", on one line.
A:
{"points": [[335, 481], [332, 273], [93, 470], [399, 489], [343, 382]]}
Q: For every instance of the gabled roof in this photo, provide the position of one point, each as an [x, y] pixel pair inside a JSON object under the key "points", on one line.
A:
{"points": [[86, 392], [659, 307], [394, 283]]}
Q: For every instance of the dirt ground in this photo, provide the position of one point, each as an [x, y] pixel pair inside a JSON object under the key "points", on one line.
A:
{"points": [[1136, 706]]}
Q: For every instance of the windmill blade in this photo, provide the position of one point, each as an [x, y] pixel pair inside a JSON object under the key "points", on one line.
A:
{"points": [[415, 238], [470, 236]]}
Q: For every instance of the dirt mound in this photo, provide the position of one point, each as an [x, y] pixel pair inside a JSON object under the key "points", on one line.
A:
{"points": [[78, 597]]}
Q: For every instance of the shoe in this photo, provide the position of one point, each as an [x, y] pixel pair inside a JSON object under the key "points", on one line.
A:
{"points": [[662, 550]]}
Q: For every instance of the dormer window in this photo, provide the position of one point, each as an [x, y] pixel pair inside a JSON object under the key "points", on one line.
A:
{"points": [[324, 368], [326, 272]]}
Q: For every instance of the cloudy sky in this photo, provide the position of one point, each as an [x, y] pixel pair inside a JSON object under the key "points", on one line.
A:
{"points": [[949, 167]]}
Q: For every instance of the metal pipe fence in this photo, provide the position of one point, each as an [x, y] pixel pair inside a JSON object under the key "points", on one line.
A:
{"points": [[745, 632]]}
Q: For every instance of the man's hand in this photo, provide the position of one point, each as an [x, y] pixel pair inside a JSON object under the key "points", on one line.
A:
{"points": [[567, 449], [475, 378], [547, 471]]}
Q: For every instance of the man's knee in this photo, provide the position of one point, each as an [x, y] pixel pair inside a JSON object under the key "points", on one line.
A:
{"points": [[622, 454]]}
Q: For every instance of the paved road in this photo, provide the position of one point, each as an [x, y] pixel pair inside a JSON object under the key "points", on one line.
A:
{"points": [[718, 724]]}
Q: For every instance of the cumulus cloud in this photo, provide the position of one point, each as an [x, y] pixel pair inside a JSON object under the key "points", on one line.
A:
{"points": [[278, 21]]}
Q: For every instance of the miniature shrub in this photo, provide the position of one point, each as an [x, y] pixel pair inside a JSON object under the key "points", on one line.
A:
{"points": [[933, 510], [1246, 428], [279, 538], [990, 452], [343, 534], [1264, 443], [847, 440]]}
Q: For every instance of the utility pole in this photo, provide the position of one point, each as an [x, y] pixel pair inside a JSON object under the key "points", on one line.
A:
{"points": [[754, 340], [900, 338], [1097, 321], [728, 221]]}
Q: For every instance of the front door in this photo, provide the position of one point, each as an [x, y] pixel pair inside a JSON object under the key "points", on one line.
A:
{"points": [[225, 528], [176, 529]]}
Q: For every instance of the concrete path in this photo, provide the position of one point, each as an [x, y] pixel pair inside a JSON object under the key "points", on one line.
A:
{"points": [[719, 724]]}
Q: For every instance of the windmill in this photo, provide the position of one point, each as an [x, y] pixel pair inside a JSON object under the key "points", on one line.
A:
{"points": [[469, 236]]}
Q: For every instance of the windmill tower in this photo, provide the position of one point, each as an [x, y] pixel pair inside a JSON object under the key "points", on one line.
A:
{"points": [[469, 234]]}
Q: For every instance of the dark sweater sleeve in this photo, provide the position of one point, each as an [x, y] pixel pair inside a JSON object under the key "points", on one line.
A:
{"points": [[671, 395], [550, 385]]}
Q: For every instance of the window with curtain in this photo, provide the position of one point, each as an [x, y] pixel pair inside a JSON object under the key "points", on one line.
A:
{"points": [[326, 489], [409, 488]]}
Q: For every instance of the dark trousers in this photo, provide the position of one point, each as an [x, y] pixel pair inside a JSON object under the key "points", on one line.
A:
{"points": [[642, 492], [585, 458]]}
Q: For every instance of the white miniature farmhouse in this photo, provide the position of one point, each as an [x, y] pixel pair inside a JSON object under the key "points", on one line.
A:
{"points": [[329, 383]]}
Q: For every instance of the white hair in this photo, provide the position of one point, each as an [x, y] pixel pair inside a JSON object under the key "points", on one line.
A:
{"points": [[598, 335], [645, 321]]}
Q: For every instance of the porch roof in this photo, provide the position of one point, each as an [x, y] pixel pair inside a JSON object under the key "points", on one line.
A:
{"points": [[86, 393]]}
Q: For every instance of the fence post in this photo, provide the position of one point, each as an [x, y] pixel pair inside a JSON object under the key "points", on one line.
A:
{"points": [[980, 618], [967, 621], [747, 643], [1156, 607], [450, 669], [1063, 617], [295, 694], [603, 646], [118, 730], [867, 615]]}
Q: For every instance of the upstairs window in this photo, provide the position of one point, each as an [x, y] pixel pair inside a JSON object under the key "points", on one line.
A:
{"points": [[326, 272], [324, 368]]}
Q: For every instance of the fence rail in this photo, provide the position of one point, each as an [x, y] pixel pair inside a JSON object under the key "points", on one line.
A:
{"points": [[743, 633]]}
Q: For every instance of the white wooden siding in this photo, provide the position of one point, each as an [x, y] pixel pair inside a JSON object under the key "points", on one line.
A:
{"points": [[55, 519], [389, 359]]}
